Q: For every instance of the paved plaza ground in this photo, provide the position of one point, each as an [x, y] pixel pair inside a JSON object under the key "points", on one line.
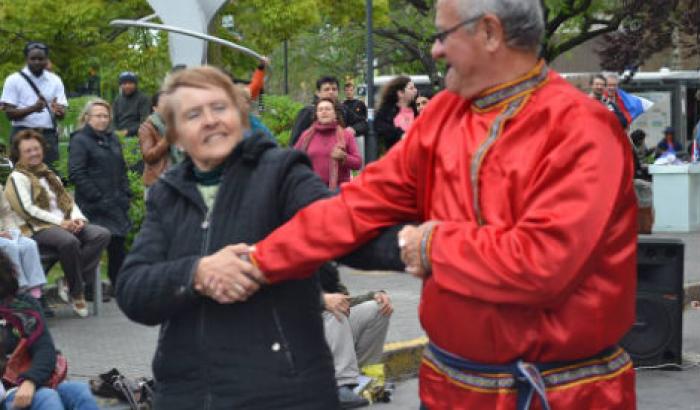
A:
{"points": [[96, 344]]}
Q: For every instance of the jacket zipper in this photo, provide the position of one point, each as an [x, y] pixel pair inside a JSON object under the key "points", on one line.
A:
{"points": [[285, 343], [202, 310]]}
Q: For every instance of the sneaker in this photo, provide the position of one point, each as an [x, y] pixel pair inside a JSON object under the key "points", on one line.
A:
{"points": [[350, 400], [80, 306], [62, 290]]}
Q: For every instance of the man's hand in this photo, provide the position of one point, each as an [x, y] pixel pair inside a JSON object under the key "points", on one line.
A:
{"points": [[57, 108], [384, 302], [24, 395], [226, 277], [339, 153], [410, 238], [337, 303], [39, 105], [6, 235]]}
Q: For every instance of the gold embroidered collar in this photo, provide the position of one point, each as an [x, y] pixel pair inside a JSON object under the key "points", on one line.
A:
{"points": [[503, 93]]}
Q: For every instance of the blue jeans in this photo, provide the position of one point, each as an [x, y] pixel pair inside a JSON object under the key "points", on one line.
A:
{"points": [[24, 253], [68, 396]]}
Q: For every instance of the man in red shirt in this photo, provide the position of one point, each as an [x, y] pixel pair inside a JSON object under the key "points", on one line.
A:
{"points": [[527, 246]]}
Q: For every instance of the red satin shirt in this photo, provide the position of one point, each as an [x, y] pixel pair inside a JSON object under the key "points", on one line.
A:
{"points": [[535, 254]]}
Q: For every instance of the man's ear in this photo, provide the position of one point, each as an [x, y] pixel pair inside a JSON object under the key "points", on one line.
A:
{"points": [[494, 36]]}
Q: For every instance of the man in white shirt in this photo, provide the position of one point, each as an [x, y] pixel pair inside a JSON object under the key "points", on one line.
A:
{"points": [[27, 108]]}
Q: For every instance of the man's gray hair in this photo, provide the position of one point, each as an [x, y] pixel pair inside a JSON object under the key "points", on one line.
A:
{"points": [[610, 74], [522, 20]]}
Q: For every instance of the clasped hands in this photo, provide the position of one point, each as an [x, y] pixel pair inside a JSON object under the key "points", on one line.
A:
{"points": [[73, 226], [227, 276]]}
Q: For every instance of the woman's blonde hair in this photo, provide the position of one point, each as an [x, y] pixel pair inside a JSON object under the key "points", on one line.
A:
{"points": [[200, 77], [85, 113]]}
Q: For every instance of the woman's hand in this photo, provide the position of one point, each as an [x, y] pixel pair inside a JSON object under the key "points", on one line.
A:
{"points": [[339, 153], [68, 225], [226, 276], [6, 235], [78, 225], [24, 395]]}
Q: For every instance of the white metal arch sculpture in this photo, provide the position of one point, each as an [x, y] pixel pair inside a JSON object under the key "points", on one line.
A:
{"points": [[186, 21]]}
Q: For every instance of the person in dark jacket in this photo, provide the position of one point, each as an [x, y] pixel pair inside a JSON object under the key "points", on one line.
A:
{"points": [[97, 169], [326, 87], [21, 315], [668, 145], [352, 103], [131, 107], [268, 351], [396, 112]]}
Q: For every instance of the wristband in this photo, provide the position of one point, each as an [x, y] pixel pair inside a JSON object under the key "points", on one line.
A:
{"points": [[425, 247]]}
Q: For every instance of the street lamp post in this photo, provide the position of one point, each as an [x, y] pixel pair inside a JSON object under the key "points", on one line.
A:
{"points": [[371, 139], [286, 67]]}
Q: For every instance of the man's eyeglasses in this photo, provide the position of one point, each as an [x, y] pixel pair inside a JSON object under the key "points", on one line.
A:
{"points": [[442, 35]]}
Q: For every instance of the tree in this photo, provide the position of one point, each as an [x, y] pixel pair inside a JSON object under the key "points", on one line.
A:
{"points": [[652, 28], [405, 39], [78, 34]]}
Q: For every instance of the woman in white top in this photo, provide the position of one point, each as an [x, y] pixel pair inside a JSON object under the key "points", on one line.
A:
{"points": [[23, 252], [52, 218]]}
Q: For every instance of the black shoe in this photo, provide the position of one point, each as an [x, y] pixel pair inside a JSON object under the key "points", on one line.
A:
{"points": [[48, 312], [350, 400]]}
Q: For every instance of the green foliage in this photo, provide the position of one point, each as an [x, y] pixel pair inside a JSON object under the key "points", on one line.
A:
{"points": [[279, 114], [61, 166], [77, 33], [338, 47], [5, 129], [137, 210], [70, 121]]}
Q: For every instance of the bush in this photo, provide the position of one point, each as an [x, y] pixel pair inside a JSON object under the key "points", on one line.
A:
{"points": [[279, 115], [137, 210], [5, 129]]}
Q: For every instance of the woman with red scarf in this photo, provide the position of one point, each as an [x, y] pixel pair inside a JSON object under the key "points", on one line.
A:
{"points": [[330, 146]]}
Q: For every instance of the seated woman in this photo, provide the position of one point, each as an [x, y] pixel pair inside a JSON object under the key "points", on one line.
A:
{"points": [[269, 351], [24, 254], [21, 310], [51, 216], [331, 147], [97, 169]]}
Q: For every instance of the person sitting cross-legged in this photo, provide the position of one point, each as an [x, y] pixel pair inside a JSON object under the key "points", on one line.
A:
{"points": [[355, 329]]}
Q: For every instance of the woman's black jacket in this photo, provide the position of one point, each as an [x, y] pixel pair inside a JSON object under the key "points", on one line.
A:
{"points": [[97, 169], [389, 134], [268, 352]]}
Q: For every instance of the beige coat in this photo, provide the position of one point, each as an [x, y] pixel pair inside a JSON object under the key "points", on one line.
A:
{"points": [[18, 192]]}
